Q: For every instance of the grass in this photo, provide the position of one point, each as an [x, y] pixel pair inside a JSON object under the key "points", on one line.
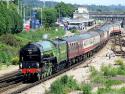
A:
{"points": [[11, 44], [110, 91], [38, 35]]}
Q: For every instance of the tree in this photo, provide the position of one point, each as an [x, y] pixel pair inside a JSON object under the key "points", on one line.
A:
{"points": [[65, 10], [10, 20], [49, 17]]}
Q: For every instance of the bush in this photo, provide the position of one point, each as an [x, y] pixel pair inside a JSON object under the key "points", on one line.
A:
{"points": [[73, 31], [63, 85], [6, 53], [119, 62], [93, 71], [104, 91], [15, 61], [121, 70], [10, 39], [99, 79], [122, 90], [86, 88], [109, 82], [110, 91], [109, 71]]}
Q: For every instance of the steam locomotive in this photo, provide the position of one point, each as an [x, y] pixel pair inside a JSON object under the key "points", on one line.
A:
{"points": [[47, 57]]}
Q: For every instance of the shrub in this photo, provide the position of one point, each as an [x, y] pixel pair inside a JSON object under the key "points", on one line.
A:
{"points": [[73, 31], [63, 85], [86, 88], [6, 53], [15, 61], [104, 91], [109, 71], [10, 39], [56, 88], [122, 67], [122, 90], [99, 79], [110, 82], [121, 70], [119, 62], [107, 90], [93, 71]]}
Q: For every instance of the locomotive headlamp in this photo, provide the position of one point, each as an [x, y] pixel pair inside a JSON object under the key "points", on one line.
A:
{"points": [[20, 65], [37, 64]]}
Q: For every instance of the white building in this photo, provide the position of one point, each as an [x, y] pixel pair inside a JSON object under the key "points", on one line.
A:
{"points": [[81, 13]]}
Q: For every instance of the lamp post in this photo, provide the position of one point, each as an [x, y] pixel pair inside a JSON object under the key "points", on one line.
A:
{"points": [[18, 9]]}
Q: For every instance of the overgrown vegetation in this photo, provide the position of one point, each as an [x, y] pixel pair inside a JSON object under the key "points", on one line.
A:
{"points": [[119, 62], [86, 88], [108, 71], [110, 91], [104, 77], [64, 85], [67, 84]]}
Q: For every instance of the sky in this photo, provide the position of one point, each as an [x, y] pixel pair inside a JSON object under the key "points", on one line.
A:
{"points": [[96, 2]]}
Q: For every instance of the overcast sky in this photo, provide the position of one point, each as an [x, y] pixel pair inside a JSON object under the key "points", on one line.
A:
{"points": [[97, 2]]}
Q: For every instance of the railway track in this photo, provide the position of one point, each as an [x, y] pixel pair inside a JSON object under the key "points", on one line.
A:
{"points": [[8, 75], [16, 84], [47, 78], [10, 82], [23, 87]]}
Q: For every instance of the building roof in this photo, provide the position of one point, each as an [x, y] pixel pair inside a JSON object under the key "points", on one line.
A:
{"points": [[80, 20]]}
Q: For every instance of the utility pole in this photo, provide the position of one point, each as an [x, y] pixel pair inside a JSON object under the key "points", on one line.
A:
{"points": [[41, 15], [42, 10], [24, 13], [59, 13], [44, 4], [18, 7], [21, 9]]}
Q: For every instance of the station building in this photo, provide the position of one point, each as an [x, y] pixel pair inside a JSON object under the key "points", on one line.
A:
{"points": [[80, 19]]}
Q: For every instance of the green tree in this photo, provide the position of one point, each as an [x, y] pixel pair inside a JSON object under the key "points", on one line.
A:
{"points": [[49, 17], [10, 20], [65, 10]]}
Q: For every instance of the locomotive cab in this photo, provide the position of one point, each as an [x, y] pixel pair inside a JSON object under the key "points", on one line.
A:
{"points": [[30, 58]]}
